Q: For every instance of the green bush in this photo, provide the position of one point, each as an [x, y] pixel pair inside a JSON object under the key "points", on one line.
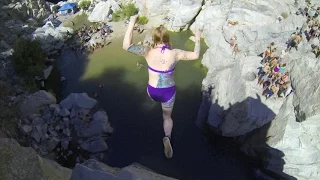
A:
{"points": [[55, 8], [84, 4], [28, 57], [125, 12], [284, 15], [143, 20]]}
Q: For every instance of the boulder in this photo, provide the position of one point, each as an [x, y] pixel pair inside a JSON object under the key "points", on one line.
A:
{"points": [[18, 162], [51, 37], [34, 102], [64, 112], [94, 144], [4, 45], [26, 129], [92, 169], [81, 100], [97, 126], [52, 143], [183, 12], [102, 10]]}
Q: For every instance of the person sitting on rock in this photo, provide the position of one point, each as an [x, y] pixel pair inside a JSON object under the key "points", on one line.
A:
{"points": [[161, 60], [232, 41], [233, 22], [235, 49], [267, 91]]}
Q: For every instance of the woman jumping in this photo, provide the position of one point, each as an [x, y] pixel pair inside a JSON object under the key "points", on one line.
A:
{"points": [[161, 60]]}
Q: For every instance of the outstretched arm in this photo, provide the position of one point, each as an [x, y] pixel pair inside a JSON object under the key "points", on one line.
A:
{"points": [[127, 41], [128, 36], [190, 55]]}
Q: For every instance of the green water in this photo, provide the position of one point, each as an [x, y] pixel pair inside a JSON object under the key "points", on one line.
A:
{"points": [[114, 57], [137, 120]]}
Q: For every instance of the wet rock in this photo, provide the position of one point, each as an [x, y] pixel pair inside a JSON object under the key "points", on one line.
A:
{"points": [[34, 102], [38, 121], [26, 129], [79, 99], [94, 144], [98, 125], [64, 112], [52, 143]]}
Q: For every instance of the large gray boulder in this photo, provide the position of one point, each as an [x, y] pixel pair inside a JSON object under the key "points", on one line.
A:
{"points": [[51, 37], [23, 163], [81, 100], [34, 102], [182, 13], [102, 10], [94, 170], [153, 8]]}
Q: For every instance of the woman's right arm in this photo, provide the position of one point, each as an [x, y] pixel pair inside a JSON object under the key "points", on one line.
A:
{"points": [[190, 55]]}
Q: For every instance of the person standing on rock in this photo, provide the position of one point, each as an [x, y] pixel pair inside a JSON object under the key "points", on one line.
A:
{"points": [[161, 60]]}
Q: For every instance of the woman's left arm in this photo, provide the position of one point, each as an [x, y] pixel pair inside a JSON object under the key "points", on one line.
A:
{"points": [[127, 41]]}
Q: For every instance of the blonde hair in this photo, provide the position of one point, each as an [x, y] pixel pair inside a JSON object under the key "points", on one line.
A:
{"points": [[160, 35]]}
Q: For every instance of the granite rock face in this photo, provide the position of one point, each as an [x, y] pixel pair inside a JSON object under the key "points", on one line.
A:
{"points": [[23, 163], [52, 38], [282, 132], [102, 10], [36, 101], [94, 170], [228, 72], [36, 9]]}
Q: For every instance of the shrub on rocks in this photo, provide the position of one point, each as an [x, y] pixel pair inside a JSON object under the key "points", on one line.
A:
{"points": [[28, 57], [143, 20], [84, 4], [125, 12]]}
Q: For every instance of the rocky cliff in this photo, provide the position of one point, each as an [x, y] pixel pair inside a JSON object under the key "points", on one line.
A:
{"points": [[234, 105]]}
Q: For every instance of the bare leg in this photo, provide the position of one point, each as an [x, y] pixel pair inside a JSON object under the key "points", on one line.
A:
{"points": [[167, 121], [167, 126]]}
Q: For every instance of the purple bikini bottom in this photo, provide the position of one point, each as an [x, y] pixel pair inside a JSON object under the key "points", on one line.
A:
{"points": [[161, 94]]}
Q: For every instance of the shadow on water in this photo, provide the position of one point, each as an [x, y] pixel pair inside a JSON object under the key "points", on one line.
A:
{"points": [[137, 120]]}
